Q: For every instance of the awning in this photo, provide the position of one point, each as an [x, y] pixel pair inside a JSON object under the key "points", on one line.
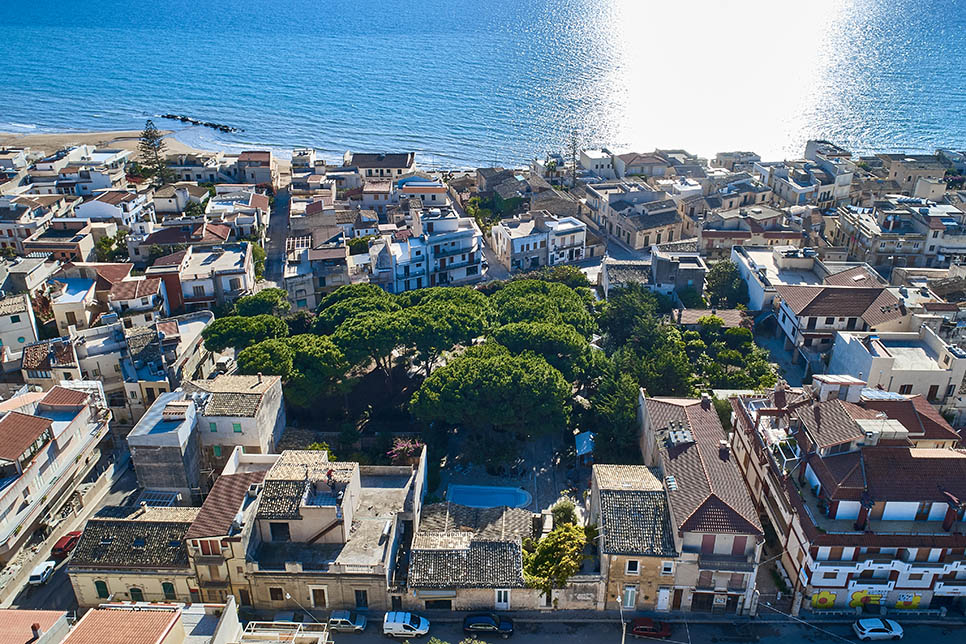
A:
{"points": [[436, 594]]}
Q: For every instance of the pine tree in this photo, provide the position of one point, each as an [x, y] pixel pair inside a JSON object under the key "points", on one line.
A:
{"points": [[152, 150]]}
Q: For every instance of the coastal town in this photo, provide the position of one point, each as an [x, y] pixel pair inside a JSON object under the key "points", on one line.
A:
{"points": [[253, 397]]}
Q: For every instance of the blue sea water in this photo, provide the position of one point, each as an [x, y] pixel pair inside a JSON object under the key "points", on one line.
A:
{"points": [[474, 82]]}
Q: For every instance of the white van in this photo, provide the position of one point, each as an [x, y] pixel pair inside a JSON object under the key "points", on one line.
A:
{"points": [[399, 624]]}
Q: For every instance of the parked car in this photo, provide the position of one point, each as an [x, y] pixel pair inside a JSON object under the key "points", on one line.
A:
{"points": [[400, 624], [488, 624], [40, 574], [876, 628], [647, 627], [345, 622], [65, 545]]}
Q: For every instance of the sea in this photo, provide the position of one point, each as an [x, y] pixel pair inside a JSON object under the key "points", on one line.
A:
{"points": [[467, 83]]}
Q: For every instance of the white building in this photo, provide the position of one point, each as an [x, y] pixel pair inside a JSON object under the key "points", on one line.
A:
{"points": [[18, 326], [905, 363], [80, 170], [121, 206], [599, 162], [537, 239]]}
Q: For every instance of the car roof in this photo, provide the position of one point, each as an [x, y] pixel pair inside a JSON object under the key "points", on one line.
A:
{"points": [[478, 617], [875, 622], [339, 614], [396, 616], [41, 566]]}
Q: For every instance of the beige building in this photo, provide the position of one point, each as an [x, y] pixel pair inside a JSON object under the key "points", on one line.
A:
{"points": [[134, 553]]}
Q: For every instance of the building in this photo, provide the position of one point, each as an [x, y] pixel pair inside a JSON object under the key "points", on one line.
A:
{"points": [[20, 626], [243, 411], [120, 206], [735, 161], [200, 278], [219, 537], [916, 363], [64, 239], [28, 274], [599, 163], [140, 300], [633, 213], [240, 207], [80, 170], [765, 268], [73, 302], [633, 164], [311, 273], [258, 167], [174, 235], [208, 167], [466, 558], [714, 521], [18, 326], [444, 249], [174, 198], [383, 165], [673, 270], [908, 169], [636, 556], [166, 449], [135, 553], [759, 226], [431, 193], [24, 215], [49, 446], [825, 182], [327, 534], [810, 316], [852, 482], [538, 239]]}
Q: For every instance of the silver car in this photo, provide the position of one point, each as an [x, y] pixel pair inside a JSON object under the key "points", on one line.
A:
{"points": [[343, 621], [876, 628]]}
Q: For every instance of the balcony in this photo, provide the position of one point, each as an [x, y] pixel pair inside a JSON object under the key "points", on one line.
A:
{"points": [[213, 583], [725, 563], [449, 252]]}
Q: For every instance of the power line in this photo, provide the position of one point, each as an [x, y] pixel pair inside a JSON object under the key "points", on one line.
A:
{"points": [[802, 621]]}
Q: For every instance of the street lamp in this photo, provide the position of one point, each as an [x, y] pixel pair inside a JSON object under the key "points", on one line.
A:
{"points": [[304, 609]]}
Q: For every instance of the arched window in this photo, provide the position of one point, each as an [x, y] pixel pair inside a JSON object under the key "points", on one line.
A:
{"points": [[137, 595], [168, 589], [101, 588]]}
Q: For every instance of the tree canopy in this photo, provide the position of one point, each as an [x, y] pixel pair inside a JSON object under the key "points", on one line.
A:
{"points": [[725, 287], [539, 301], [274, 357], [152, 151], [240, 332], [270, 301], [550, 562], [559, 344], [371, 336]]}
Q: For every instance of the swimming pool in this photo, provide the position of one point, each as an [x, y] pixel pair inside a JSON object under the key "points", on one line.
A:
{"points": [[488, 496]]}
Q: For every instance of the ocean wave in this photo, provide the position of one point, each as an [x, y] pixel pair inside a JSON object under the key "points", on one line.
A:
{"points": [[18, 126]]}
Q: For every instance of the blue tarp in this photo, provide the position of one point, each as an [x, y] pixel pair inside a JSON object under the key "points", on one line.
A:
{"points": [[585, 443]]}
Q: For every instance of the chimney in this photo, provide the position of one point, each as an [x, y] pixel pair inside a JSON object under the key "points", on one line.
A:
{"points": [[724, 449], [705, 401], [36, 631], [259, 377]]}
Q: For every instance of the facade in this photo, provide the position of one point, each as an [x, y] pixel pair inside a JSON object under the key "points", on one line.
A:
{"points": [[715, 523], [173, 198], [633, 164], [676, 270], [637, 558], [633, 213], [384, 166], [852, 481], [538, 239], [24, 215], [199, 278], [599, 163], [759, 226], [209, 167], [73, 302], [311, 273], [120, 206], [908, 169], [80, 170], [65, 239], [49, 446]]}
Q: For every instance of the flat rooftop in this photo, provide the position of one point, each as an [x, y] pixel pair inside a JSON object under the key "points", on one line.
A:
{"points": [[909, 355], [75, 288], [763, 258]]}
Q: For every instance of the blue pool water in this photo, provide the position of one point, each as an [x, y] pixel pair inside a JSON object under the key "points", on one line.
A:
{"points": [[488, 496], [464, 82]]}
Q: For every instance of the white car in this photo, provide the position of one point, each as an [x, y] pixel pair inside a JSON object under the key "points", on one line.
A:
{"points": [[40, 574], [399, 624], [876, 628]]}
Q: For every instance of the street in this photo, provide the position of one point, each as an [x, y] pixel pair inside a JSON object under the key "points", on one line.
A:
{"points": [[610, 633], [276, 234]]}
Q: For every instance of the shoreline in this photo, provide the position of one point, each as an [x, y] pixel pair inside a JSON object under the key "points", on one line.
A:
{"points": [[50, 142]]}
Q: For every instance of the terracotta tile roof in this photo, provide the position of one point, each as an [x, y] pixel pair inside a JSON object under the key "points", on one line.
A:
{"points": [[471, 564], [107, 626], [263, 156], [917, 415], [169, 235], [488, 524], [709, 494], [315, 207], [18, 432], [841, 475], [222, 504], [626, 477], [234, 395], [940, 306], [914, 474], [634, 522], [133, 289], [15, 623], [174, 259], [873, 305], [832, 422], [115, 197], [13, 304], [260, 201], [62, 396], [855, 276], [135, 537], [43, 355]]}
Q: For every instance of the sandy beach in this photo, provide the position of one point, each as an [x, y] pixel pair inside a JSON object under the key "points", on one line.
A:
{"points": [[124, 139]]}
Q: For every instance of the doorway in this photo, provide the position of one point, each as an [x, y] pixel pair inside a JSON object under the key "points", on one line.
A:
{"points": [[630, 596], [319, 598], [663, 598], [362, 599], [502, 599]]}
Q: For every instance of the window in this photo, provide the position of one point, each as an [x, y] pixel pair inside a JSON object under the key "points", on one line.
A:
{"points": [[213, 427], [667, 567], [14, 319], [916, 576], [705, 579], [829, 321], [905, 390], [829, 575], [216, 450], [236, 427], [633, 567], [276, 594], [300, 303], [168, 589], [280, 531], [137, 595], [199, 291], [101, 588]]}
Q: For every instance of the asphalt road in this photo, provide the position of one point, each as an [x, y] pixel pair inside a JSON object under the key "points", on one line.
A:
{"points": [[610, 633], [277, 233]]}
